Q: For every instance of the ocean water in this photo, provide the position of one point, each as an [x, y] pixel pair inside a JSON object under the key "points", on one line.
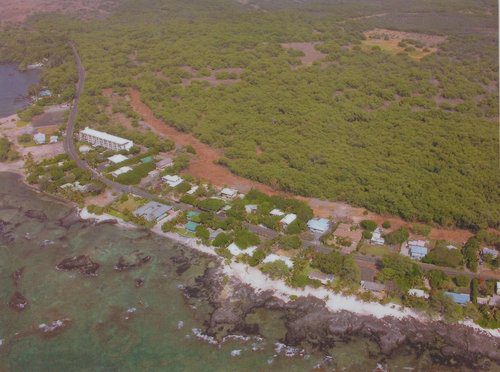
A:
{"points": [[14, 86], [110, 323]]}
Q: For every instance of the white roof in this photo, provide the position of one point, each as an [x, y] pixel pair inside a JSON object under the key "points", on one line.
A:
{"points": [[236, 251], [418, 293], [420, 243], [274, 257], [118, 158], [84, 148], [276, 212], [121, 170], [105, 136], [171, 178], [250, 207], [289, 218], [193, 190], [39, 136], [228, 191]]}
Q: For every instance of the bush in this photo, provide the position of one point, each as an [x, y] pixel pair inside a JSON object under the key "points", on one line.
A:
{"points": [[461, 280], [212, 205], [470, 252], [368, 225], [276, 269], [420, 229], [290, 242], [257, 257], [367, 234], [245, 239], [221, 240], [397, 236], [24, 138], [443, 256], [438, 279], [224, 252], [401, 270], [202, 233], [386, 225]]}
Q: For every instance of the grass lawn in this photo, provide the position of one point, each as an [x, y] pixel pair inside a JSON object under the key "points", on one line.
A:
{"points": [[118, 214], [131, 205], [392, 46], [374, 250], [21, 123]]}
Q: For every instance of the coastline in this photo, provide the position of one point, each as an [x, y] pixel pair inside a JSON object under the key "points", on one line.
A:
{"points": [[260, 283]]}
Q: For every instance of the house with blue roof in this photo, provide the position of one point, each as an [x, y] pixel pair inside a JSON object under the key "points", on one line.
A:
{"points": [[191, 226], [459, 298], [318, 225], [417, 252]]}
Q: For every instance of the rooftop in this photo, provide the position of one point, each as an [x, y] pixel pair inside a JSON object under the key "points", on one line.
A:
{"points": [[274, 257], [121, 170], [277, 212], [289, 218], [236, 251], [372, 286], [459, 298], [318, 224], [105, 136], [152, 211], [118, 158], [191, 226]]}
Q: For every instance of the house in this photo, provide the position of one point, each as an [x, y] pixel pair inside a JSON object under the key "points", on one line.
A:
{"points": [[191, 226], [121, 170], [322, 277], [372, 286], [236, 251], [213, 233], [45, 93], [164, 163], [489, 251], [172, 180], [147, 160], [277, 212], [75, 186], [417, 249], [118, 158], [84, 149], [250, 208], [377, 238], [459, 298], [288, 219], [39, 138], [192, 214], [53, 139], [318, 225], [228, 193], [193, 190], [274, 257], [418, 293], [97, 138], [153, 211]]}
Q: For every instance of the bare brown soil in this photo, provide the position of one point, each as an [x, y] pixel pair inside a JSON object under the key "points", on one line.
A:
{"points": [[48, 119], [311, 54], [203, 167]]}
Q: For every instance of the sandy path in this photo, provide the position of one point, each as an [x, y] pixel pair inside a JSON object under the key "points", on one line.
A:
{"points": [[203, 166]]}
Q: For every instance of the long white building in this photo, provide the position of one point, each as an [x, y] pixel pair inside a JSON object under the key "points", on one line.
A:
{"points": [[97, 138]]}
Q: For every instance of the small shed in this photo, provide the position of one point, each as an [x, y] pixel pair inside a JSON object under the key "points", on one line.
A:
{"points": [[147, 160], [250, 208], [277, 212], [118, 158], [228, 193], [318, 225], [39, 138], [288, 219]]}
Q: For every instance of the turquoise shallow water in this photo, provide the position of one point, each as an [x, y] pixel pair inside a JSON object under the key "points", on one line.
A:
{"points": [[111, 324]]}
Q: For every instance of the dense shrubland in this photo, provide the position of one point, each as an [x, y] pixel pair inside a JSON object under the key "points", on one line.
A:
{"points": [[413, 138]]}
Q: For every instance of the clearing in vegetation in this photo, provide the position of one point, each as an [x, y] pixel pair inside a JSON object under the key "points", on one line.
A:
{"points": [[307, 52], [416, 45]]}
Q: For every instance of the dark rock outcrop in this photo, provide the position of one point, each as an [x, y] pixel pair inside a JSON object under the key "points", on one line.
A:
{"points": [[17, 275], [37, 215], [132, 261], [82, 263]]}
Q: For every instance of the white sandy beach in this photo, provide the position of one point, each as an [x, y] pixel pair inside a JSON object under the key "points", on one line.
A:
{"points": [[260, 282]]}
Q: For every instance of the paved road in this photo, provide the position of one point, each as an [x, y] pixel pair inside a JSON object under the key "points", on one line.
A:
{"points": [[69, 147]]}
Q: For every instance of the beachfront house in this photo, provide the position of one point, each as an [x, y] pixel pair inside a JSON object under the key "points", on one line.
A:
{"points": [[172, 180], [322, 277], [288, 219], [377, 238], [250, 208], [459, 298], [277, 212], [153, 211], [236, 251], [274, 257], [420, 293], [164, 163], [97, 138], [45, 93], [118, 158], [228, 193], [318, 225], [191, 226], [121, 170], [39, 138]]}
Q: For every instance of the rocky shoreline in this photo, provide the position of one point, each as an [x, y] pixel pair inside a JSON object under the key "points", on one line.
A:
{"points": [[310, 324]]}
